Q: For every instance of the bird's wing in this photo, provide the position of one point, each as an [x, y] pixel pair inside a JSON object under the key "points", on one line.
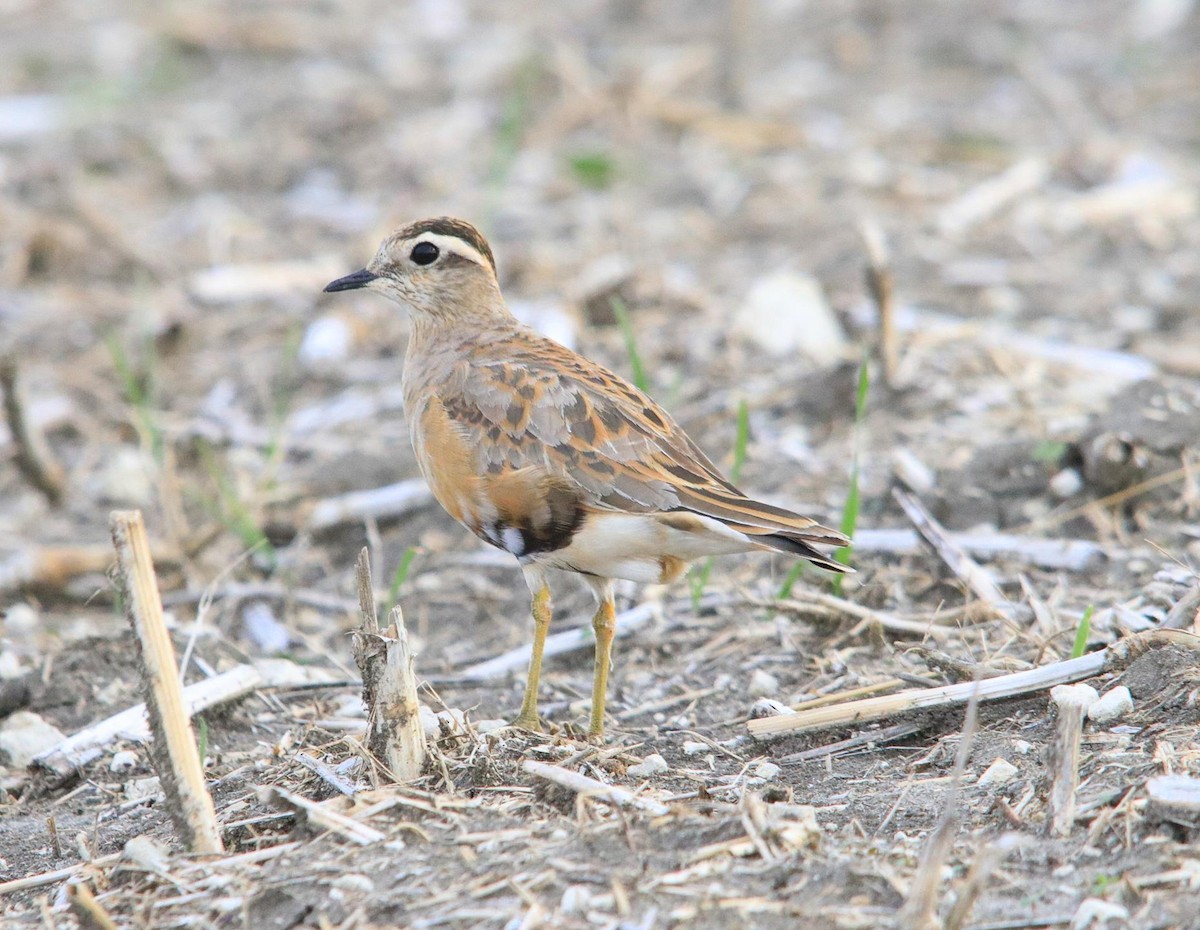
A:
{"points": [[530, 402]]}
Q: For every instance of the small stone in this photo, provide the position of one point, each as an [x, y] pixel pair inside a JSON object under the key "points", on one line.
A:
{"points": [[653, 764], [490, 726], [25, 735], [147, 854], [263, 628], [127, 478], [693, 748], [1023, 746], [1096, 914], [430, 723], [766, 770], [1175, 796], [575, 900], [786, 313], [139, 789], [1113, 705], [1000, 772], [914, 473], [1066, 483], [762, 683], [22, 623], [352, 706], [768, 707], [1068, 695], [123, 761], [355, 882]]}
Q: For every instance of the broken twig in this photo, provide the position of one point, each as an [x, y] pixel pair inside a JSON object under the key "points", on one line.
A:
{"points": [[34, 458], [394, 732], [173, 748], [590, 787]]}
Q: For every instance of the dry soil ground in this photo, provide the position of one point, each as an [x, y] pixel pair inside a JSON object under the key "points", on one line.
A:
{"points": [[177, 182]]}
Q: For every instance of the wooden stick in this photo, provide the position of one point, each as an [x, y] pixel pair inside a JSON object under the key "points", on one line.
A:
{"points": [[920, 910], [1002, 686], [63, 760], [12, 886], [880, 283], [1074, 555], [589, 787], [34, 459], [967, 569], [87, 910], [394, 732], [891, 704], [318, 815], [395, 719], [865, 615], [556, 644], [1072, 702], [389, 502], [982, 867], [173, 747]]}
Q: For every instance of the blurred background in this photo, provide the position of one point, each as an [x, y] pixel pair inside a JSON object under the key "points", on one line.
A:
{"points": [[178, 181]]}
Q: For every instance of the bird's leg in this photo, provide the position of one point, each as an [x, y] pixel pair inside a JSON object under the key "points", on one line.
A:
{"points": [[605, 625], [527, 719]]}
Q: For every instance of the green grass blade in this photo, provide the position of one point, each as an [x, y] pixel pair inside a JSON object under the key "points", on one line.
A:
{"points": [[398, 578], [637, 370], [853, 498], [741, 442], [202, 738], [1083, 632]]}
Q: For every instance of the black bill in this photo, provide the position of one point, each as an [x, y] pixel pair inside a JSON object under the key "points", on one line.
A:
{"points": [[360, 278]]}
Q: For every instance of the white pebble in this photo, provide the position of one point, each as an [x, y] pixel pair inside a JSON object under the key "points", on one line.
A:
{"points": [[768, 707], [653, 764], [693, 748], [1113, 705], [786, 313], [1067, 483], [766, 770], [1023, 746], [1074, 695], [353, 881], [490, 726], [575, 900], [1177, 795], [123, 761], [1095, 914], [763, 684], [1000, 772], [138, 789], [25, 735]]}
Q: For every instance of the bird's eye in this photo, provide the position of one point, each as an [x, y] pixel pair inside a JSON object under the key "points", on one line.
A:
{"points": [[424, 253]]}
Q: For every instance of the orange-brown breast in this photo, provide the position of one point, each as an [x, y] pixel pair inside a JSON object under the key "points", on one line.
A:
{"points": [[523, 510]]}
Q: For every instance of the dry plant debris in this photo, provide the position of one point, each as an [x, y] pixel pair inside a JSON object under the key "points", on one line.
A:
{"points": [[1018, 184]]}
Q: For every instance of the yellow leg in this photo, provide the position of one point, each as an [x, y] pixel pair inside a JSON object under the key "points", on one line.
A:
{"points": [[527, 719], [605, 625]]}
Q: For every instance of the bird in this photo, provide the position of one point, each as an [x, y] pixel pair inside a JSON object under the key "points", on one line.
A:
{"points": [[550, 456]]}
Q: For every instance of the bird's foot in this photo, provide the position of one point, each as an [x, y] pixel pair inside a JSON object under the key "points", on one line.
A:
{"points": [[528, 722]]}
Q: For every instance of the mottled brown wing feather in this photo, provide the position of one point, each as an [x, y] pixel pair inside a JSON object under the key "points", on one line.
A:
{"points": [[528, 401]]}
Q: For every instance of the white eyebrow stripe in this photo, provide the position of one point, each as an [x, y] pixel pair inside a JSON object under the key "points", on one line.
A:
{"points": [[452, 244]]}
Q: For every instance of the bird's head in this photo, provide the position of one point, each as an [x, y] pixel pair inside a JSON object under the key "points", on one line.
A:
{"points": [[441, 268]]}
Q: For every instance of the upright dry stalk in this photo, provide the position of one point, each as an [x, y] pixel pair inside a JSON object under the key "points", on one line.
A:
{"points": [[881, 285], [172, 745], [33, 457], [920, 910], [394, 732], [1072, 702]]}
